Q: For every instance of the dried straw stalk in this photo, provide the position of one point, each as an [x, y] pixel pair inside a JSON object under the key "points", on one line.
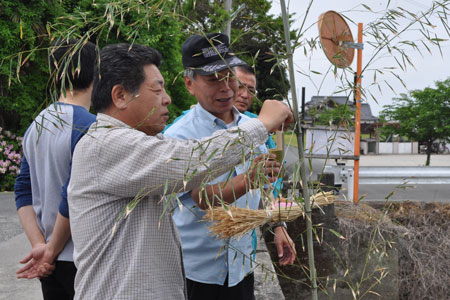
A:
{"points": [[230, 221]]}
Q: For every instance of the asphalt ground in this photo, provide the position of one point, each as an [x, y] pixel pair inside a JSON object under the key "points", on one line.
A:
{"points": [[14, 246]]}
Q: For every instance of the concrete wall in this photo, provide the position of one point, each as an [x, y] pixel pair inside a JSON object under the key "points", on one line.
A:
{"points": [[398, 148], [386, 148]]}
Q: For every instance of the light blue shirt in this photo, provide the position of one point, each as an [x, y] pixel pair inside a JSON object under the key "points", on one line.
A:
{"points": [[208, 259]]}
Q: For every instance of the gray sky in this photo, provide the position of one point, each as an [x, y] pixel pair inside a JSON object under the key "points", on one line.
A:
{"points": [[428, 67]]}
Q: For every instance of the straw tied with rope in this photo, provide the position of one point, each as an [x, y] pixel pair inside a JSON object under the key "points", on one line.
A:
{"points": [[230, 221]]}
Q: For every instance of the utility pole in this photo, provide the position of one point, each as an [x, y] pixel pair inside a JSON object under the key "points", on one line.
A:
{"points": [[227, 30]]}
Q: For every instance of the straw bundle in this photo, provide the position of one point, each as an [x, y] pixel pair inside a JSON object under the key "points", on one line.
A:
{"points": [[229, 221]]}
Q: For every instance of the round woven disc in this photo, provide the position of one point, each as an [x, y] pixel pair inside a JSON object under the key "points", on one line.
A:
{"points": [[333, 32]]}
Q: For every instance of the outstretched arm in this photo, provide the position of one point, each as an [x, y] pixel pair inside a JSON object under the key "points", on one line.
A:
{"points": [[229, 191]]}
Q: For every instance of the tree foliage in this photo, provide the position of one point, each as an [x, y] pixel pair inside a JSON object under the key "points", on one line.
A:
{"points": [[340, 115], [422, 115], [151, 23], [29, 27], [23, 77]]}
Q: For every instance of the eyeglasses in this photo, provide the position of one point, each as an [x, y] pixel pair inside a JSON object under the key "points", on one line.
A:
{"points": [[250, 90]]}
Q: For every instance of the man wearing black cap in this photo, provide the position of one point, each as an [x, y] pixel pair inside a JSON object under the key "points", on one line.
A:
{"points": [[217, 269]]}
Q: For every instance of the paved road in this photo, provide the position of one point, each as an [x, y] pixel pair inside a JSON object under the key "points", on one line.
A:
{"points": [[426, 193], [13, 247]]}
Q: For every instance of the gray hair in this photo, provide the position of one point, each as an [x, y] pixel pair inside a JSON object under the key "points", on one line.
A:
{"points": [[189, 73]]}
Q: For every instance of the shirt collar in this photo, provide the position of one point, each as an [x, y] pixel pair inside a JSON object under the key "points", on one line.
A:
{"points": [[210, 118], [113, 121]]}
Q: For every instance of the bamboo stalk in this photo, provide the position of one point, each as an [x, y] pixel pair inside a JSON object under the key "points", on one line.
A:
{"points": [[301, 154]]}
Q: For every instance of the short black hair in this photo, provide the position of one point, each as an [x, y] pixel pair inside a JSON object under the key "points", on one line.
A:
{"points": [[72, 63], [121, 64], [246, 69]]}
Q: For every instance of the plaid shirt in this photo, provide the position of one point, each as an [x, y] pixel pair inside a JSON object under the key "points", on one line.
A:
{"points": [[112, 164]]}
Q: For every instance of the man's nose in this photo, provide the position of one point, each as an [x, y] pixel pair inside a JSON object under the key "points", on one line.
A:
{"points": [[166, 99], [226, 84], [244, 93]]}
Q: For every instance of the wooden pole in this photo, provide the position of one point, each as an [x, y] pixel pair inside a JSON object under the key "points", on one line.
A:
{"points": [[357, 116], [301, 155], [279, 140]]}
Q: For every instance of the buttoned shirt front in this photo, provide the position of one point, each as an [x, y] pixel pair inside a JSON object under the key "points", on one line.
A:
{"points": [[208, 259]]}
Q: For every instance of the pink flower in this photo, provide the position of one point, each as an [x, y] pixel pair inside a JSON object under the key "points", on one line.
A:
{"points": [[2, 170]]}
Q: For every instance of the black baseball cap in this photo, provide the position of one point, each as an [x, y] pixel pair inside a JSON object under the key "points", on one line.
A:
{"points": [[209, 54]]}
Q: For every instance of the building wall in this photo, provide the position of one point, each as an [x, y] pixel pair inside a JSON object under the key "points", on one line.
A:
{"points": [[398, 148]]}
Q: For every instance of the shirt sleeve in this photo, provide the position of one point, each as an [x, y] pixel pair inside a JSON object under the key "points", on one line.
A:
{"points": [[82, 119], [270, 144], [131, 163], [22, 186]]}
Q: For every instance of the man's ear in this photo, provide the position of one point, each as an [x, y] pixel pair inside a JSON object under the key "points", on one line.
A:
{"points": [[120, 97], [188, 82]]}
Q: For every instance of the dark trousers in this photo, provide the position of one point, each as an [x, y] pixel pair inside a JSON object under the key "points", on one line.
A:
{"points": [[204, 291], [59, 284]]}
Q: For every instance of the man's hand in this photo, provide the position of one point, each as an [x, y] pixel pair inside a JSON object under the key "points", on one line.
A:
{"points": [[285, 246], [274, 113], [39, 263], [264, 164]]}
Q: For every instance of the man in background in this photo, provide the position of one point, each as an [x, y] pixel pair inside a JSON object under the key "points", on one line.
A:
{"points": [[247, 91], [40, 188]]}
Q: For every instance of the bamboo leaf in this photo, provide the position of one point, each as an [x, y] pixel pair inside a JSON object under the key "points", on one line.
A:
{"points": [[336, 233]]}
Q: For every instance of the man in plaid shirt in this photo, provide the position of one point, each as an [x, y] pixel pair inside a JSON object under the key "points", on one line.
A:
{"points": [[124, 173]]}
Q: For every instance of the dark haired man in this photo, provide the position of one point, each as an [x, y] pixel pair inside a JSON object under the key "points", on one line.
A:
{"points": [[246, 93], [217, 269], [41, 186], [127, 249], [247, 88]]}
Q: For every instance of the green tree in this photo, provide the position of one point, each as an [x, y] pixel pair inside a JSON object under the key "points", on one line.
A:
{"points": [[23, 64], [150, 23], [422, 115], [340, 115], [27, 28]]}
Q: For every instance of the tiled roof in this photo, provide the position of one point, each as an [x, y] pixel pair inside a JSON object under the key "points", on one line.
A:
{"points": [[366, 112]]}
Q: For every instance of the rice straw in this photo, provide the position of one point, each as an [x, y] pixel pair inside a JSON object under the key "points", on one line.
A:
{"points": [[230, 221]]}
